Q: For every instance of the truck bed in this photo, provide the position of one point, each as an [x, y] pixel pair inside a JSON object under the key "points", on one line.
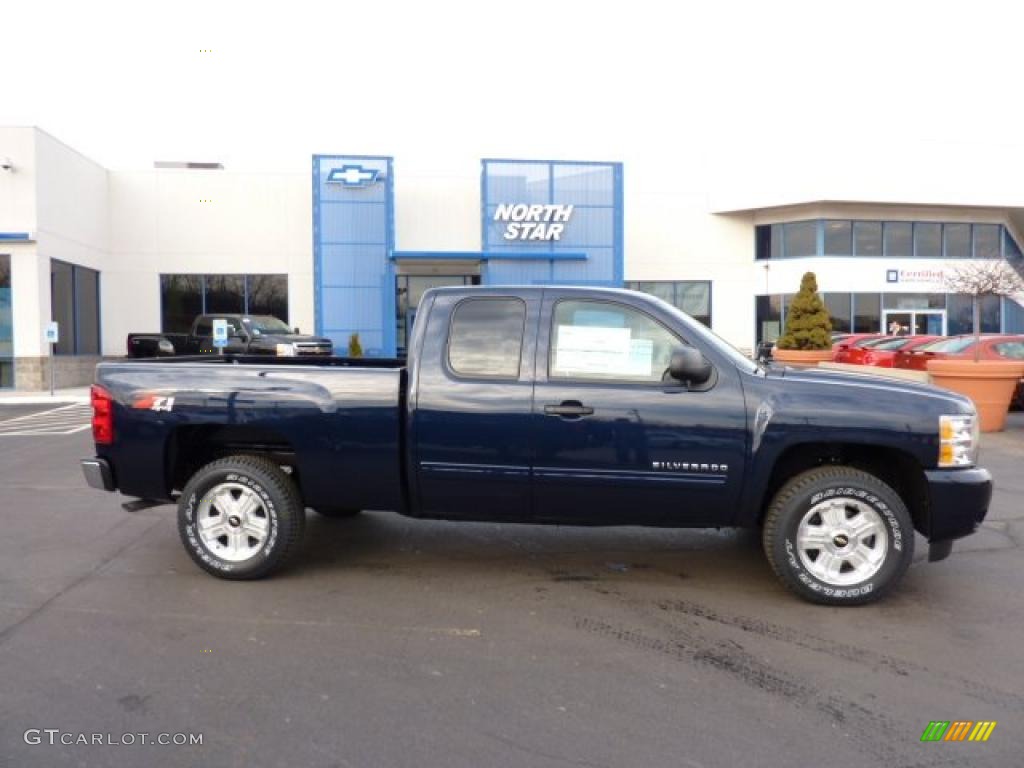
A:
{"points": [[338, 421]]}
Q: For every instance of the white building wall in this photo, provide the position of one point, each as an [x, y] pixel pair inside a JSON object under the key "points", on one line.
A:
{"points": [[203, 222], [18, 214]]}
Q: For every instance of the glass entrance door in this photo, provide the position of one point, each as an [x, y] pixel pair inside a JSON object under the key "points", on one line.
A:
{"points": [[918, 322]]}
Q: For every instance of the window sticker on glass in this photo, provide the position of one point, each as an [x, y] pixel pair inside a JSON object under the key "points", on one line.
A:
{"points": [[595, 350]]}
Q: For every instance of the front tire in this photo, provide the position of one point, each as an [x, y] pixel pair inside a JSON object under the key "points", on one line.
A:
{"points": [[240, 517], [838, 536]]}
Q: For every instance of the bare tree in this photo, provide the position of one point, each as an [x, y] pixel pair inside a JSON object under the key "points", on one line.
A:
{"points": [[978, 279]]}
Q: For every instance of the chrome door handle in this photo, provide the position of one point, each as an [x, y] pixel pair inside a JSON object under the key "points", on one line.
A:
{"points": [[568, 409]]}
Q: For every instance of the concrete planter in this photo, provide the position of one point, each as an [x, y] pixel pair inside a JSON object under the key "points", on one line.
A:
{"points": [[989, 383]]}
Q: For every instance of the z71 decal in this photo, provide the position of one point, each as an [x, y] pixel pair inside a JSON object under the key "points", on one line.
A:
{"points": [[153, 403]]}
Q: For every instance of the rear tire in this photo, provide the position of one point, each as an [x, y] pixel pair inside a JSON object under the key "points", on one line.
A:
{"points": [[838, 536], [336, 512], [240, 517]]}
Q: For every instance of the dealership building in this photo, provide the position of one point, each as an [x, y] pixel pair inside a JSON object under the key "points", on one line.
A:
{"points": [[350, 247]]}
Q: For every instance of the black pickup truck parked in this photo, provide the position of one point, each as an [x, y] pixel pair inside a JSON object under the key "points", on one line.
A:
{"points": [[571, 406], [247, 335]]}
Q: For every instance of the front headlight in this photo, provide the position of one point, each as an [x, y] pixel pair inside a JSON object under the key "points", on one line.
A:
{"points": [[958, 441], [286, 350]]}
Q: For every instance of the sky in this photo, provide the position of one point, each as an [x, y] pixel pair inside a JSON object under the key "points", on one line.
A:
{"points": [[441, 84]]}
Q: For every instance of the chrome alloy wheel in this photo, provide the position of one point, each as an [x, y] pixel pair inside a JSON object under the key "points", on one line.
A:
{"points": [[232, 522], [842, 541]]}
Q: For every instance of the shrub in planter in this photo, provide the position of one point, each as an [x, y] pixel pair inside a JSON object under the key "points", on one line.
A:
{"points": [[807, 337], [355, 349]]}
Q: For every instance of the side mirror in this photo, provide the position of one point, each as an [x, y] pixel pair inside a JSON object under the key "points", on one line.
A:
{"points": [[688, 365], [297, 331]]}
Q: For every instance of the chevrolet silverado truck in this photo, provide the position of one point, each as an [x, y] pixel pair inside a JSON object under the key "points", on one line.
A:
{"points": [[247, 335], [548, 405]]}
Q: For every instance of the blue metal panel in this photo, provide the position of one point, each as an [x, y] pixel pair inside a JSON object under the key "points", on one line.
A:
{"points": [[595, 228], [353, 238], [497, 253]]}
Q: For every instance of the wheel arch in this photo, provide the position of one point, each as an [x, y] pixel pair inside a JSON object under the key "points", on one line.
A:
{"points": [[191, 447], [898, 469]]}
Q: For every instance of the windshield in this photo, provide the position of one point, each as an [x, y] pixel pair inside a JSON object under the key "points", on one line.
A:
{"points": [[265, 324], [954, 345], [694, 328], [889, 343]]}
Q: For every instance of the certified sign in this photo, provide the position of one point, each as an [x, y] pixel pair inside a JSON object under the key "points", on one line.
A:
{"points": [[220, 332], [52, 333]]}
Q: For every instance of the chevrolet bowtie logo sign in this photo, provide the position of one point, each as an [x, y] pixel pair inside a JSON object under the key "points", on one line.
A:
{"points": [[353, 176]]}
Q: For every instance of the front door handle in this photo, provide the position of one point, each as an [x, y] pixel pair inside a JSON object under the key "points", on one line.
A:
{"points": [[572, 409]]}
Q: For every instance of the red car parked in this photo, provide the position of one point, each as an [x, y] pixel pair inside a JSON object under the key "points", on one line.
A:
{"points": [[993, 347], [882, 352], [841, 349]]}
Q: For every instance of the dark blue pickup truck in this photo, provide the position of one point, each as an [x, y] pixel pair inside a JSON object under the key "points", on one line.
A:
{"points": [[568, 406]]}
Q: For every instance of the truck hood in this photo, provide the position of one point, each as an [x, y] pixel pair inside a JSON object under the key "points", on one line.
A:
{"points": [[869, 384], [289, 338]]}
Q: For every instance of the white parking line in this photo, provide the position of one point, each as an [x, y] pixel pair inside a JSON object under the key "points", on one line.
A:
{"points": [[66, 420]]}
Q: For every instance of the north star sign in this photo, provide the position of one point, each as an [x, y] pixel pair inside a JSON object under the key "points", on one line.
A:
{"points": [[533, 222]]}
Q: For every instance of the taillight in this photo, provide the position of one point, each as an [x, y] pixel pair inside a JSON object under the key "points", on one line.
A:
{"points": [[102, 415]]}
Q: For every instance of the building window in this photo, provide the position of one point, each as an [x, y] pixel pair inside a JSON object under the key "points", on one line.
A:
{"points": [[800, 238], [768, 310], [839, 306], [986, 241], [267, 295], [691, 296], [867, 238], [225, 293], [1011, 250], [893, 239], [867, 313], [928, 240], [899, 238], [6, 324], [183, 297], [75, 307], [487, 338], [956, 241], [914, 301], [837, 238]]}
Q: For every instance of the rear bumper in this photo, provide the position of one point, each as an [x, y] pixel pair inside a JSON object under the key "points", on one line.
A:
{"points": [[98, 474], [958, 501]]}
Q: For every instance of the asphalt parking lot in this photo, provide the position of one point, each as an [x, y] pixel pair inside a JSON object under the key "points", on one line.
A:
{"points": [[395, 642]]}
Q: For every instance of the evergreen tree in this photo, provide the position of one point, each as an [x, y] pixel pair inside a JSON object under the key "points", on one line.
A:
{"points": [[807, 321], [355, 349]]}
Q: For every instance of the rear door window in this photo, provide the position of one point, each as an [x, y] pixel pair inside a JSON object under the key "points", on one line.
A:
{"points": [[486, 338]]}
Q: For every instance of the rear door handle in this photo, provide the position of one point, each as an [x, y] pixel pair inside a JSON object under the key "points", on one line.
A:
{"points": [[568, 409]]}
